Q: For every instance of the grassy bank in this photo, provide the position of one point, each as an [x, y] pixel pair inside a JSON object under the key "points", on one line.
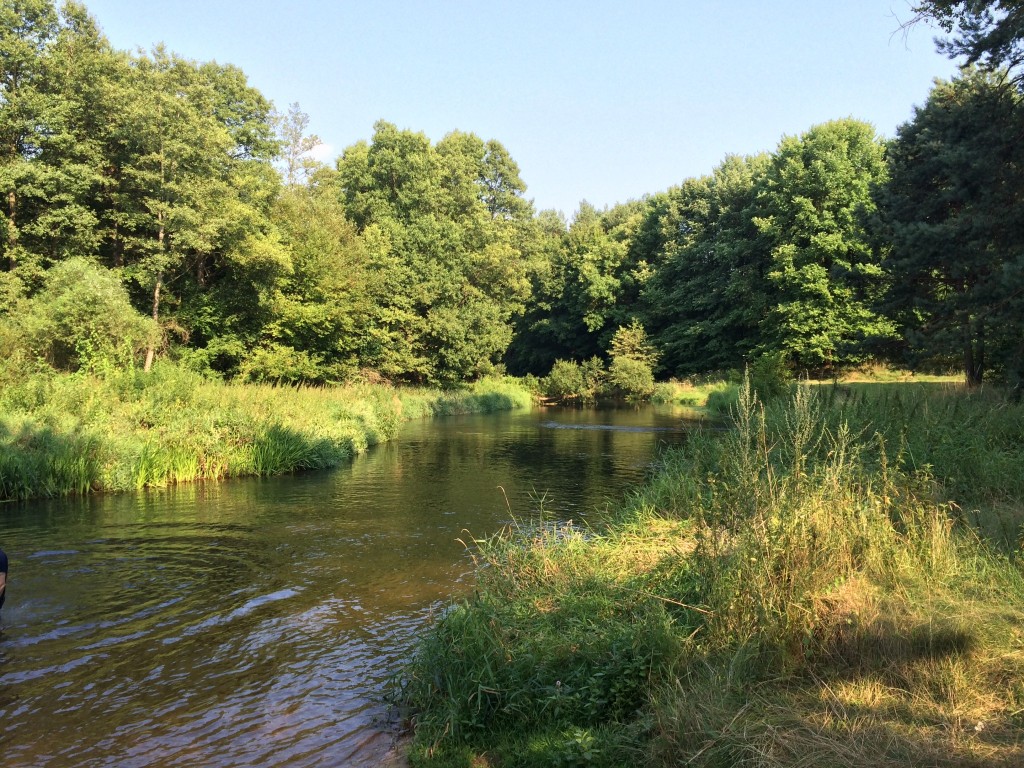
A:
{"points": [[809, 588], [71, 434]]}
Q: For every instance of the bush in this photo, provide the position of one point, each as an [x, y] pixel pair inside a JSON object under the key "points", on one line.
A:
{"points": [[81, 320], [280, 363], [565, 381], [632, 379], [631, 342], [770, 376], [569, 380]]}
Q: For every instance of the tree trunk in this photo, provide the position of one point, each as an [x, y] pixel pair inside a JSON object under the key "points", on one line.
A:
{"points": [[12, 232], [974, 354], [118, 247], [151, 349]]}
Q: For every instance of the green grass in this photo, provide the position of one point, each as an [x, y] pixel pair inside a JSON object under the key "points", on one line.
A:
{"points": [[693, 394], [72, 434], [718, 396], [803, 589]]}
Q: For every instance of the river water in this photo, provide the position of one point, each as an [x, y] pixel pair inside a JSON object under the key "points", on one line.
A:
{"points": [[257, 622]]}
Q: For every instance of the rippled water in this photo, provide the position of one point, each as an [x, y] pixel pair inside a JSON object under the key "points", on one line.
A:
{"points": [[257, 622]]}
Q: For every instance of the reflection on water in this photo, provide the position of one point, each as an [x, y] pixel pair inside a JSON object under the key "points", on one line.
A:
{"points": [[256, 622]]}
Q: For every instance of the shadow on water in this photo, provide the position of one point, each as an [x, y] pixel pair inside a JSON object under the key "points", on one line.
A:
{"points": [[255, 622]]}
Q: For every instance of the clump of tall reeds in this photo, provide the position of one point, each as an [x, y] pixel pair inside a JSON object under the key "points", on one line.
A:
{"points": [[551, 659]]}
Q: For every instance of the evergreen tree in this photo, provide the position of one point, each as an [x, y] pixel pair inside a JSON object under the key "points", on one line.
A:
{"points": [[954, 206], [989, 33], [705, 301]]}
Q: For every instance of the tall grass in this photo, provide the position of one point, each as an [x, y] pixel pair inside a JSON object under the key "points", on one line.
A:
{"points": [[37, 456], [800, 590], [71, 434]]}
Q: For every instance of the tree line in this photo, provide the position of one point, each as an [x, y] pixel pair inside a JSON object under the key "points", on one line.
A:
{"points": [[157, 207]]}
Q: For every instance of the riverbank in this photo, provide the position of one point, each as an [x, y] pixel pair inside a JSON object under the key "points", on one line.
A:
{"points": [[837, 581], [66, 434]]}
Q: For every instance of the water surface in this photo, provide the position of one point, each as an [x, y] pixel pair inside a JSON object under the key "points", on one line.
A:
{"points": [[257, 622]]}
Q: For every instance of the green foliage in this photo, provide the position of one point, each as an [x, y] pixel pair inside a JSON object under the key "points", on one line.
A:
{"points": [[770, 376], [951, 206], [282, 364], [629, 378], [579, 659], [569, 380], [631, 371], [705, 301], [69, 434], [788, 587], [687, 392], [825, 273], [989, 32], [970, 442], [773, 254], [631, 342], [445, 228], [565, 380], [296, 145], [587, 282], [424, 262], [315, 327], [38, 460], [723, 401], [80, 320]]}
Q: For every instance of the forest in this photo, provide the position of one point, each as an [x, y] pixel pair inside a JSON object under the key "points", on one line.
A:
{"points": [[154, 207]]}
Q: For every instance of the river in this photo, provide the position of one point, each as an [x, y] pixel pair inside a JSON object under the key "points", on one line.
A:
{"points": [[257, 622]]}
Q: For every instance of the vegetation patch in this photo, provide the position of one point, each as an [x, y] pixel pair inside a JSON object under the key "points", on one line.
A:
{"points": [[803, 589], [64, 434]]}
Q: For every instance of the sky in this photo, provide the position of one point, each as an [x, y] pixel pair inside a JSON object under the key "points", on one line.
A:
{"points": [[603, 101]]}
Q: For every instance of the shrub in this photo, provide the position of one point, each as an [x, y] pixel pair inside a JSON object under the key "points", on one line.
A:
{"points": [[82, 319], [770, 376], [632, 379], [631, 342], [565, 381], [569, 380], [280, 363]]}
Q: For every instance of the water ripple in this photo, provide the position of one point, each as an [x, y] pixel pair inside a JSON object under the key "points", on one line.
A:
{"points": [[257, 623]]}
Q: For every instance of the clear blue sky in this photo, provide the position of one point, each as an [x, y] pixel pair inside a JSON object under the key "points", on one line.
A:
{"points": [[603, 100]]}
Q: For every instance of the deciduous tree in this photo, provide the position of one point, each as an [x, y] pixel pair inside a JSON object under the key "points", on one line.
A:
{"points": [[826, 275]]}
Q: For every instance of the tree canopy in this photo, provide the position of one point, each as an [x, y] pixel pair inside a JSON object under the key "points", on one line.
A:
{"points": [[953, 208], [985, 32], [237, 253]]}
